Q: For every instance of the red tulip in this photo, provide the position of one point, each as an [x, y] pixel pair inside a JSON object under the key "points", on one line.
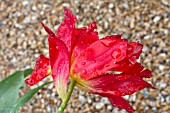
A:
{"points": [[106, 66]]}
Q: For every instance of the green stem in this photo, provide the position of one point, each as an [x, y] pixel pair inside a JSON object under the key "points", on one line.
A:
{"points": [[64, 102]]}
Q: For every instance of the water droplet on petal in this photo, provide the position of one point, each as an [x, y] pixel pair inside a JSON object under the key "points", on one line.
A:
{"points": [[82, 54], [62, 23], [107, 43], [132, 59], [116, 54], [84, 71], [94, 61], [86, 58], [57, 47], [107, 65], [83, 63], [30, 81], [45, 66], [75, 54], [41, 62], [39, 77], [75, 19], [59, 71], [123, 93], [75, 65], [95, 73]]}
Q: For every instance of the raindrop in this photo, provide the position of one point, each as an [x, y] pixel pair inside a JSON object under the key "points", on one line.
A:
{"points": [[90, 52], [75, 54], [83, 63], [39, 77], [30, 81], [107, 65], [123, 93], [41, 62], [129, 92], [107, 43], [86, 58], [94, 61], [132, 59], [82, 42], [95, 73], [75, 65], [116, 54], [63, 23], [45, 66], [129, 48], [75, 19], [82, 54], [59, 71], [57, 47], [71, 26], [84, 71]]}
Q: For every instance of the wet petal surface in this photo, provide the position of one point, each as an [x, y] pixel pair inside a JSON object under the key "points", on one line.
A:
{"points": [[121, 103], [60, 65], [117, 84], [65, 30], [99, 57], [41, 70]]}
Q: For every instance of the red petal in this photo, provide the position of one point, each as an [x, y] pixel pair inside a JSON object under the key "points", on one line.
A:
{"points": [[123, 66], [135, 69], [134, 49], [41, 70], [48, 30], [84, 37], [138, 70], [60, 65], [65, 30], [133, 52], [117, 85], [121, 103], [99, 57], [146, 73]]}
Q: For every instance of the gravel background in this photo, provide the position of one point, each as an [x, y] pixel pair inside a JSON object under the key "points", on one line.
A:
{"points": [[22, 39]]}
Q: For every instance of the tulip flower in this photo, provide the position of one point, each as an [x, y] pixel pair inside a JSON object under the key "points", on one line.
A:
{"points": [[107, 66]]}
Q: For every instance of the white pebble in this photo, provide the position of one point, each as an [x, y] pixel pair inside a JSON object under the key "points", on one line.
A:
{"points": [[99, 105], [111, 5], [156, 19], [82, 98]]}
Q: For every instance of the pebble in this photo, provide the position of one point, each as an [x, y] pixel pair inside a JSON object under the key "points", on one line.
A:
{"points": [[99, 105], [157, 19], [82, 98], [165, 2]]}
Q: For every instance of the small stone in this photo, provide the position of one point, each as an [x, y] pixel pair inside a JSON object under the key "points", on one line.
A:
{"points": [[104, 100], [48, 108], [25, 3], [165, 2], [109, 107], [89, 100], [82, 98], [111, 5], [163, 84], [161, 67], [34, 8], [99, 106], [157, 19], [27, 20]]}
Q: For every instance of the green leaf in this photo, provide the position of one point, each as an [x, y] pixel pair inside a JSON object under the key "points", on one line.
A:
{"points": [[26, 97], [9, 89], [27, 72]]}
